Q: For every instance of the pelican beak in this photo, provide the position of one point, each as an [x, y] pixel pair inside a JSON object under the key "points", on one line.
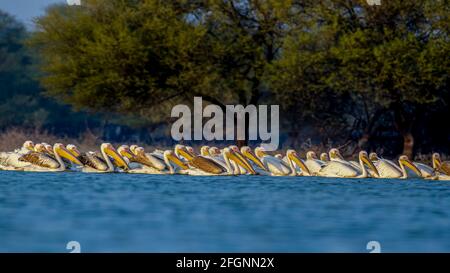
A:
{"points": [[437, 162], [241, 162], [173, 158], [127, 153], [245, 161], [75, 152], [365, 159], [408, 163], [250, 155], [118, 159], [185, 153], [299, 163], [68, 155]]}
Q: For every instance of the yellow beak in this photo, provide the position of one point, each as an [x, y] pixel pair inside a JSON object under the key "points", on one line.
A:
{"points": [[173, 158], [118, 159], [255, 159], [300, 163], [370, 164], [408, 163], [184, 153], [241, 162], [63, 152]]}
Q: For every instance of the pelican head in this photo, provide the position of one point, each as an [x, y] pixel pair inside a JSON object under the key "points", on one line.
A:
{"points": [[64, 152], [40, 148], [29, 145], [73, 149], [247, 152], [48, 148], [172, 157], [404, 160], [292, 155], [324, 157], [311, 155], [279, 156], [436, 161], [133, 148], [204, 151], [181, 151], [112, 152], [125, 152], [190, 150], [232, 155], [260, 152], [374, 157], [335, 154], [235, 150], [364, 157], [214, 151]]}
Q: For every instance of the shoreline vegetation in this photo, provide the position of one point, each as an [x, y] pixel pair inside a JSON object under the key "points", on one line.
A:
{"points": [[344, 73]]}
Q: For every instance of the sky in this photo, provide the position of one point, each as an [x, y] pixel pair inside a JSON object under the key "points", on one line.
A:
{"points": [[26, 10]]}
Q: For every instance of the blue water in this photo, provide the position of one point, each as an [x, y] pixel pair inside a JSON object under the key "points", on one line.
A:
{"points": [[41, 212]]}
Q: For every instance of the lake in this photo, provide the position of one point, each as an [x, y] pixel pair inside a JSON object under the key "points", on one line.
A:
{"points": [[42, 212]]}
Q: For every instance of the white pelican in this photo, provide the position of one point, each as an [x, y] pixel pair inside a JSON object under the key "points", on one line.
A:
{"points": [[200, 165], [256, 163], [296, 164], [275, 166], [324, 157], [26, 147], [337, 167], [240, 169], [388, 169], [314, 165], [144, 163], [172, 163], [441, 167], [94, 164]]}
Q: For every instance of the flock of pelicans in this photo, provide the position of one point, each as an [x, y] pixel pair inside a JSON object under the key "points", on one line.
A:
{"points": [[42, 157]]}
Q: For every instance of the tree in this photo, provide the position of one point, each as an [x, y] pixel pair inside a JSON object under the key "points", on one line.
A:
{"points": [[141, 57], [376, 61]]}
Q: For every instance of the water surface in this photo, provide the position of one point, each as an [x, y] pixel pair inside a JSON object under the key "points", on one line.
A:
{"points": [[41, 212]]}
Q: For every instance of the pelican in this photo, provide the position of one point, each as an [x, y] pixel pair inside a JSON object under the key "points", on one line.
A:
{"points": [[337, 167], [238, 153], [296, 165], [39, 162], [388, 169], [94, 164], [256, 163], [26, 147], [441, 167], [204, 166], [324, 157], [147, 167], [275, 166], [314, 165]]}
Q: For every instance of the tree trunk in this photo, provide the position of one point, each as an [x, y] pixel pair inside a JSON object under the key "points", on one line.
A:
{"points": [[408, 144]]}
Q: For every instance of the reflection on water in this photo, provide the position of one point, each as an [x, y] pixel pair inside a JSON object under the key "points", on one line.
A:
{"points": [[41, 212]]}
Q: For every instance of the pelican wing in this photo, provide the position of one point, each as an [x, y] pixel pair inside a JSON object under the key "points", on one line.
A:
{"points": [[387, 169], [338, 169], [445, 167], [207, 165], [40, 160], [93, 161]]}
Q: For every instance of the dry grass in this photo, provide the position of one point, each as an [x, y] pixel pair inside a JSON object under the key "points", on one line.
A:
{"points": [[15, 137]]}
